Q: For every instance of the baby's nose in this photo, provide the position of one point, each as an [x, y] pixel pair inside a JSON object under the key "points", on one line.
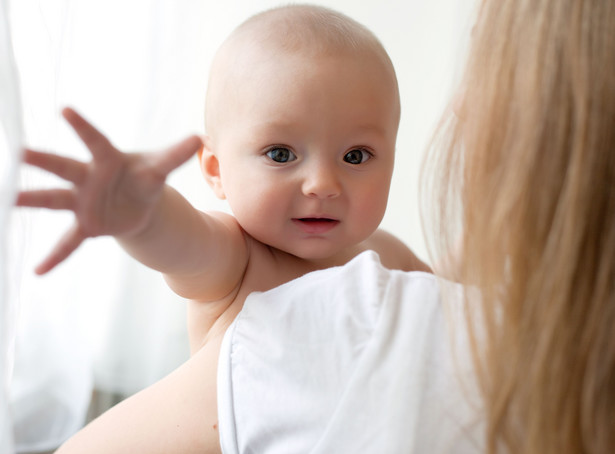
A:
{"points": [[322, 182]]}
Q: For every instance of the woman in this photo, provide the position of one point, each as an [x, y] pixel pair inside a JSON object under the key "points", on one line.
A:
{"points": [[527, 168]]}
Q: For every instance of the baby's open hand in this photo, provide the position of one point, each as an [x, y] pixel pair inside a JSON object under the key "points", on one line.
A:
{"points": [[113, 194]]}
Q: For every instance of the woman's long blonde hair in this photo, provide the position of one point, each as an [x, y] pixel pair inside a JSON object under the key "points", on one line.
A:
{"points": [[524, 174]]}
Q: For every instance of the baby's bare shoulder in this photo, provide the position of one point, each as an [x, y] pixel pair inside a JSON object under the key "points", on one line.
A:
{"points": [[269, 267], [394, 253]]}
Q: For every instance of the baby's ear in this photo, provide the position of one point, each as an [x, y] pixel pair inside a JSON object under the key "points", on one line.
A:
{"points": [[210, 166]]}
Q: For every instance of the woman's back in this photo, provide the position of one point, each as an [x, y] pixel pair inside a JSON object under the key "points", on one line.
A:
{"points": [[533, 163]]}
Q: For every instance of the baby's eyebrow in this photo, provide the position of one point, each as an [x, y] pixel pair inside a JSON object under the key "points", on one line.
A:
{"points": [[275, 119], [372, 128], [267, 126], [281, 129]]}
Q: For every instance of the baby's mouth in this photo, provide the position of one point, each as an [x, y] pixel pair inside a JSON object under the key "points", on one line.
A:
{"points": [[316, 224], [309, 220]]}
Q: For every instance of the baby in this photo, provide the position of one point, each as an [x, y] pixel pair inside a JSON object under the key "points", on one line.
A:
{"points": [[302, 114]]}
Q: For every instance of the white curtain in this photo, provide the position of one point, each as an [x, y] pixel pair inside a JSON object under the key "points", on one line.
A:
{"points": [[100, 320], [138, 70], [10, 145]]}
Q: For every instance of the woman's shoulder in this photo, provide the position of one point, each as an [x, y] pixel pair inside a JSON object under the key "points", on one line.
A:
{"points": [[338, 349]]}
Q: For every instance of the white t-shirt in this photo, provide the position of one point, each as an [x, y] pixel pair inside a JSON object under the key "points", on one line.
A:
{"points": [[352, 359]]}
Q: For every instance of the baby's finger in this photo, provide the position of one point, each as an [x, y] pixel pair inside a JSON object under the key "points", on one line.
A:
{"points": [[97, 143], [53, 199], [66, 168], [168, 160], [65, 247]]}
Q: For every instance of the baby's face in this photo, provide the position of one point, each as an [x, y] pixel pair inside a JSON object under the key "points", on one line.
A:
{"points": [[306, 151]]}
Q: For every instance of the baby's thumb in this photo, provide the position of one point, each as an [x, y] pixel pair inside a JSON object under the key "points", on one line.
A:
{"points": [[170, 159], [65, 247]]}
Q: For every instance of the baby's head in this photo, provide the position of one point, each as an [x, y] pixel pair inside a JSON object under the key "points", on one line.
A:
{"points": [[303, 33], [302, 114]]}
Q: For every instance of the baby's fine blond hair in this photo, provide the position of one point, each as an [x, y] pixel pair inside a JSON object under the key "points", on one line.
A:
{"points": [[297, 29]]}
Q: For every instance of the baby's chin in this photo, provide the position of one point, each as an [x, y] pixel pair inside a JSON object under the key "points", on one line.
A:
{"points": [[326, 256], [323, 242]]}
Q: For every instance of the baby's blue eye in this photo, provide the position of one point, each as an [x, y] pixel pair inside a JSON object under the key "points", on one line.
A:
{"points": [[357, 156], [281, 154]]}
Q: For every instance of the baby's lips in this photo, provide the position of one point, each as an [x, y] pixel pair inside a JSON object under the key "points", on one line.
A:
{"points": [[316, 225]]}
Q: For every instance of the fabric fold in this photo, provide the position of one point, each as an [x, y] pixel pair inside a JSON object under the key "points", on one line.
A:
{"points": [[356, 358]]}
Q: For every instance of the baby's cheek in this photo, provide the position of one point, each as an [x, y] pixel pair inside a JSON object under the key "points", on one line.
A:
{"points": [[373, 207], [254, 210]]}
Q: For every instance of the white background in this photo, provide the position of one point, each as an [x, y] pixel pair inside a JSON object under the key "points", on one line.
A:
{"points": [[138, 70]]}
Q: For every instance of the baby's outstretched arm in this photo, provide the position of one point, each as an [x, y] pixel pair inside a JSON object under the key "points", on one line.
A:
{"points": [[114, 194], [124, 195]]}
